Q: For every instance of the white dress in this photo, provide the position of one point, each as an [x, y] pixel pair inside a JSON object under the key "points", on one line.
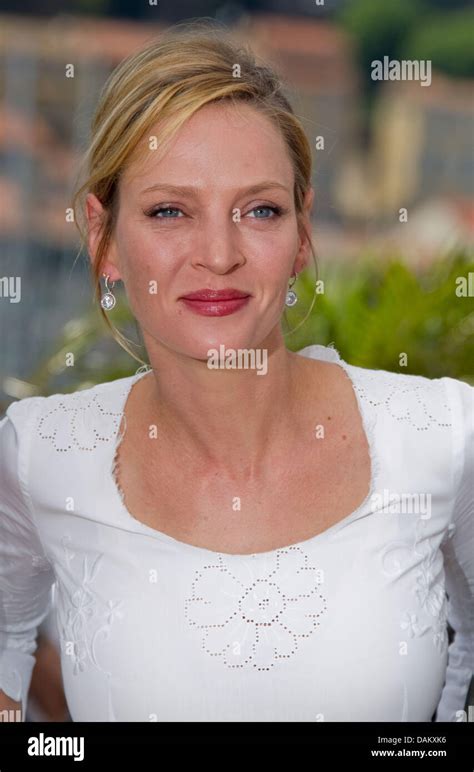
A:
{"points": [[349, 625]]}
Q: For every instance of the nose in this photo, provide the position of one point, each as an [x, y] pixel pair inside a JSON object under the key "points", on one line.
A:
{"points": [[218, 247]]}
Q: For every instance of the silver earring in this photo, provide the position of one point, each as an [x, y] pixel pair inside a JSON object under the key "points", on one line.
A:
{"points": [[291, 296], [108, 300]]}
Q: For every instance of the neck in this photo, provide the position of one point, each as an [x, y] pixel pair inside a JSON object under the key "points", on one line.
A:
{"points": [[227, 418]]}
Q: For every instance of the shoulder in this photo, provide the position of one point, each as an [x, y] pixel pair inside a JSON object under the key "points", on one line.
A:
{"points": [[417, 401], [427, 424], [430, 419], [47, 417]]}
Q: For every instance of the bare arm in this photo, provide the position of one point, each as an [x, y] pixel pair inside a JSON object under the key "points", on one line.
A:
{"points": [[46, 690], [8, 708]]}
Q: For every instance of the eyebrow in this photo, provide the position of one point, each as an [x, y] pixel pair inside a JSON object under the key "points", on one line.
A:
{"points": [[190, 191]]}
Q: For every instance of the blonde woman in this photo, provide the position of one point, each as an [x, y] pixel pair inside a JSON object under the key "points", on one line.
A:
{"points": [[231, 543]]}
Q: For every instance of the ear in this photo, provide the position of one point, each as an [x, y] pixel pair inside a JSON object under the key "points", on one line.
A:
{"points": [[95, 214], [304, 250]]}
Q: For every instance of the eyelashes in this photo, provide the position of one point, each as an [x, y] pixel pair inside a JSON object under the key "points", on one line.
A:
{"points": [[278, 211], [156, 210]]}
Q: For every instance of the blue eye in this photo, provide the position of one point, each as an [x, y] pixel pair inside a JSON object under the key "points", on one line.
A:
{"points": [[162, 212], [275, 209], [159, 209]]}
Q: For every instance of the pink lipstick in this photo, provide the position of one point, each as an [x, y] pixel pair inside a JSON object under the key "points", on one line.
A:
{"points": [[210, 302]]}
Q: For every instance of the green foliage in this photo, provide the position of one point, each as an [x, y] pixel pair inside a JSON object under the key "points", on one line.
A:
{"points": [[87, 343], [376, 310], [371, 310], [411, 29], [379, 26], [446, 40], [92, 7]]}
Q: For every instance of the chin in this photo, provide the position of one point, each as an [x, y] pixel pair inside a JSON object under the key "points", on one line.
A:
{"points": [[227, 342]]}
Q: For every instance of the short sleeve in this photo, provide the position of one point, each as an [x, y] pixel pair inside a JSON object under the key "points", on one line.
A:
{"points": [[26, 575], [458, 553]]}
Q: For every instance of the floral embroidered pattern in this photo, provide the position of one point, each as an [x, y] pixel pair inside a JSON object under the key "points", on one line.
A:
{"points": [[246, 613], [429, 588], [88, 423], [412, 399], [429, 594], [412, 626], [79, 639]]}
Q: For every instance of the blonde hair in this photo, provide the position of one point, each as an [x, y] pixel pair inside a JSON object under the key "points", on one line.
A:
{"points": [[189, 66]]}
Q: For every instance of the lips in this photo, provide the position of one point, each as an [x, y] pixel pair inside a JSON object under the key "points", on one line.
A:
{"points": [[216, 295], [209, 302]]}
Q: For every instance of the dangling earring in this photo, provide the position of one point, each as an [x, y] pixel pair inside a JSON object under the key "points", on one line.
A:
{"points": [[291, 296], [108, 300]]}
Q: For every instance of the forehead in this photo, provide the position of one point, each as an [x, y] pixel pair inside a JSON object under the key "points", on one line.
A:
{"points": [[223, 143]]}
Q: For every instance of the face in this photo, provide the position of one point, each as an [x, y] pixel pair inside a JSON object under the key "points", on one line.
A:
{"points": [[233, 227]]}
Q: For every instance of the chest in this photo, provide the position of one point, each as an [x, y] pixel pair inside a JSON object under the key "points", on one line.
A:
{"points": [[169, 631], [295, 495]]}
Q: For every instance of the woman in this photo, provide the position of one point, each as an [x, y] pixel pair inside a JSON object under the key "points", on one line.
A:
{"points": [[226, 546]]}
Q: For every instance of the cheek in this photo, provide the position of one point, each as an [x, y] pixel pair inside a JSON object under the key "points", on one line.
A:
{"points": [[147, 255], [271, 253], [144, 257]]}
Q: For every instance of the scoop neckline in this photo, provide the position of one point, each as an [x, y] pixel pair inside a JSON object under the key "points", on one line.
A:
{"points": [[368, 421]]}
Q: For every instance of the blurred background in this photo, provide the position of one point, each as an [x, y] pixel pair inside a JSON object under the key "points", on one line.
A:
{"points": [[393, 220]]}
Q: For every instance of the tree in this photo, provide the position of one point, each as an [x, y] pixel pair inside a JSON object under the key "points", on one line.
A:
{"points": [[447, 41]]}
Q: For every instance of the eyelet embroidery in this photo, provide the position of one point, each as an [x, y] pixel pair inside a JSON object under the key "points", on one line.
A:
{"points": [[87, 423], [416, 402], [246, 612]]}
